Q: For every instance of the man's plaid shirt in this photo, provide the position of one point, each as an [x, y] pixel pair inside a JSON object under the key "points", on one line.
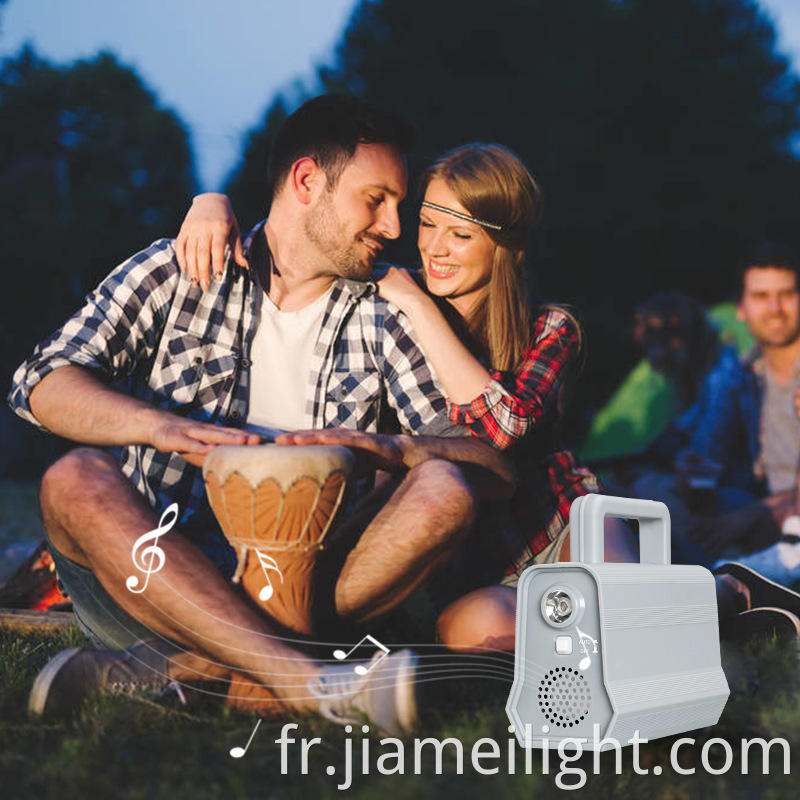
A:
{"points": [[153, 335]]}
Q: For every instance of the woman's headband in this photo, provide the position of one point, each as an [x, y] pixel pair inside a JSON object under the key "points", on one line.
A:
{"points": [[467, 217]]}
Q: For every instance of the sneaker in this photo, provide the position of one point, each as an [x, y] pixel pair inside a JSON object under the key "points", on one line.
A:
{"points": [[766, 623], [385, 694], [760, 590], [69, 678]]}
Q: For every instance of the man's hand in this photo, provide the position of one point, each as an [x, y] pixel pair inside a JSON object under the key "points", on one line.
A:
{"points": [[209, 226], [490, 473], [193, 441]]}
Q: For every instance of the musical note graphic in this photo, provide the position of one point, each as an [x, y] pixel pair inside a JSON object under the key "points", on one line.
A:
{"points": [[583, 638], [360, 669], [267, 563], [153, 550], [238, 752]]}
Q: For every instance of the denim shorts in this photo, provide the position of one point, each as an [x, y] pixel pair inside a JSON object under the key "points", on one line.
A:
{"points": [[100, 617], [105, 624]]}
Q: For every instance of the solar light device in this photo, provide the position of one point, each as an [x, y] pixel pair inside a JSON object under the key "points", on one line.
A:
{"points": [[628, 647]]}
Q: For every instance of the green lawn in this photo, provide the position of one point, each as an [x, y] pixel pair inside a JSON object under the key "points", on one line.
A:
{"points": [[125, 748]]}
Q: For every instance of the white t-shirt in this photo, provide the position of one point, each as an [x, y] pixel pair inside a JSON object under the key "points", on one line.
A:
{"points": [[280, 353], [780, 431]]}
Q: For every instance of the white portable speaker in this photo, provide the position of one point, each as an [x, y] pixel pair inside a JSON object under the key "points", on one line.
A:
{"points": [[628, 647]]}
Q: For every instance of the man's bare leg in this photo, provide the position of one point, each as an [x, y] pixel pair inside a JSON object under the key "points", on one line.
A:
{"points": [[94, 516], [415, 532]]}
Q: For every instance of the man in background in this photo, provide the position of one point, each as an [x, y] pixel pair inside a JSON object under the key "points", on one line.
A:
{"points": [[754, 429]]}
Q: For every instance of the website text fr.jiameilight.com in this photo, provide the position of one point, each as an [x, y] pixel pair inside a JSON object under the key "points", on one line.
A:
{"points": [[392, 756]]}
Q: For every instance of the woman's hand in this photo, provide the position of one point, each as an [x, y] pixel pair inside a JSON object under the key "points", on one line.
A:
{"points": [[373, 450], [461, 374], [200, 246], [398, 287]]}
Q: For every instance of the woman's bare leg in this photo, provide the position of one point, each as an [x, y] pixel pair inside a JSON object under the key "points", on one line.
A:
{"points": [[620, 545], [481, 620]]}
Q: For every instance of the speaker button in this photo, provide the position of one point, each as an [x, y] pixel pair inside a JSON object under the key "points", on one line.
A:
{"points": [[564, 645]]}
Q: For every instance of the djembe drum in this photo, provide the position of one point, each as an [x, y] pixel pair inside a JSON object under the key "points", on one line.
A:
{"points": [[275, 505]]}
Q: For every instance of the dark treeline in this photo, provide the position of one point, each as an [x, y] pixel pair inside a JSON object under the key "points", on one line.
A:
{"points": [[91, 171], [659, 130]]}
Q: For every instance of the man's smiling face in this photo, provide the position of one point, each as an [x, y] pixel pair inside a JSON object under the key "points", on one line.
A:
{"points": [[350, 223], [770, 305]]}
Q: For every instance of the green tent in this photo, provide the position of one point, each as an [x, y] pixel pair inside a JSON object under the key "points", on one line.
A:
{"points": [[642, 406]]}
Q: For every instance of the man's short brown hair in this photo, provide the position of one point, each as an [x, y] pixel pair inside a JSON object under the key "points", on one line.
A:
{"points": [[328, 129], [769, 254]]}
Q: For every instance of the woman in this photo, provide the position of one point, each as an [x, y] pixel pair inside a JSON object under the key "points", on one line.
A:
{"points": [[506, 365]]}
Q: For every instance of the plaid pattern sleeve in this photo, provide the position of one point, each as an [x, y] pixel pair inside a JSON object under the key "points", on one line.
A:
{"points": [[154, 335], [512, 404], [541, 505], [117, 327]]}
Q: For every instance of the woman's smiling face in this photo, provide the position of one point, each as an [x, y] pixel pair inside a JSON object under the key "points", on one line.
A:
{"points": [[457, 255]]}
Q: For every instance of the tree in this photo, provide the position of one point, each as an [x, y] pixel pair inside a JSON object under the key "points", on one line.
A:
{"points": [[92, 170], [247, 186], [660, 131]]}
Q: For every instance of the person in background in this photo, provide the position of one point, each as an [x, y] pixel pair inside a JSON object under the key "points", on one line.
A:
{"points": [[705, 466], [759, 418], [674, 333], [711, 512]]}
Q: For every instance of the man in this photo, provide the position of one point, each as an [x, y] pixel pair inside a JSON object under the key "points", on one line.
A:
{"points": [[724, 419], [754, 422], [151, 364]]}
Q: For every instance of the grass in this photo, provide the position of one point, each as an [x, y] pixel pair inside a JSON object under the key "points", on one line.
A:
{"points": [[125, 748]]}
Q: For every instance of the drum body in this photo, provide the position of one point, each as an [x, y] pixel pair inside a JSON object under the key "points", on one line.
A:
{"points": [[275, 505]]}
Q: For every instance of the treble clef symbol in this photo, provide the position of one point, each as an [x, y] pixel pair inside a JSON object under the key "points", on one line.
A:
{"points": [[154, 551]]}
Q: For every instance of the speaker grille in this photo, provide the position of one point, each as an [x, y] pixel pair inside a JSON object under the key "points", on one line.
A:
{"points": [[564, 697]]}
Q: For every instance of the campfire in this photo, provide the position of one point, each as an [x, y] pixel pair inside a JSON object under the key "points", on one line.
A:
{"points": [[34, 585]]}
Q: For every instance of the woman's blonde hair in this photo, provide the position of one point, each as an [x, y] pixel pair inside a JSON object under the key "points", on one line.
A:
{"points": [[495, 186]]}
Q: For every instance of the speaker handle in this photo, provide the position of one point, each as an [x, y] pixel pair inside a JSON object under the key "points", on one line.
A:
{"points": [[587, 536]]}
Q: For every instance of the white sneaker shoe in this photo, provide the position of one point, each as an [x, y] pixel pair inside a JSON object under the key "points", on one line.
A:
{"points": [[385, 694], [72, 675]]}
